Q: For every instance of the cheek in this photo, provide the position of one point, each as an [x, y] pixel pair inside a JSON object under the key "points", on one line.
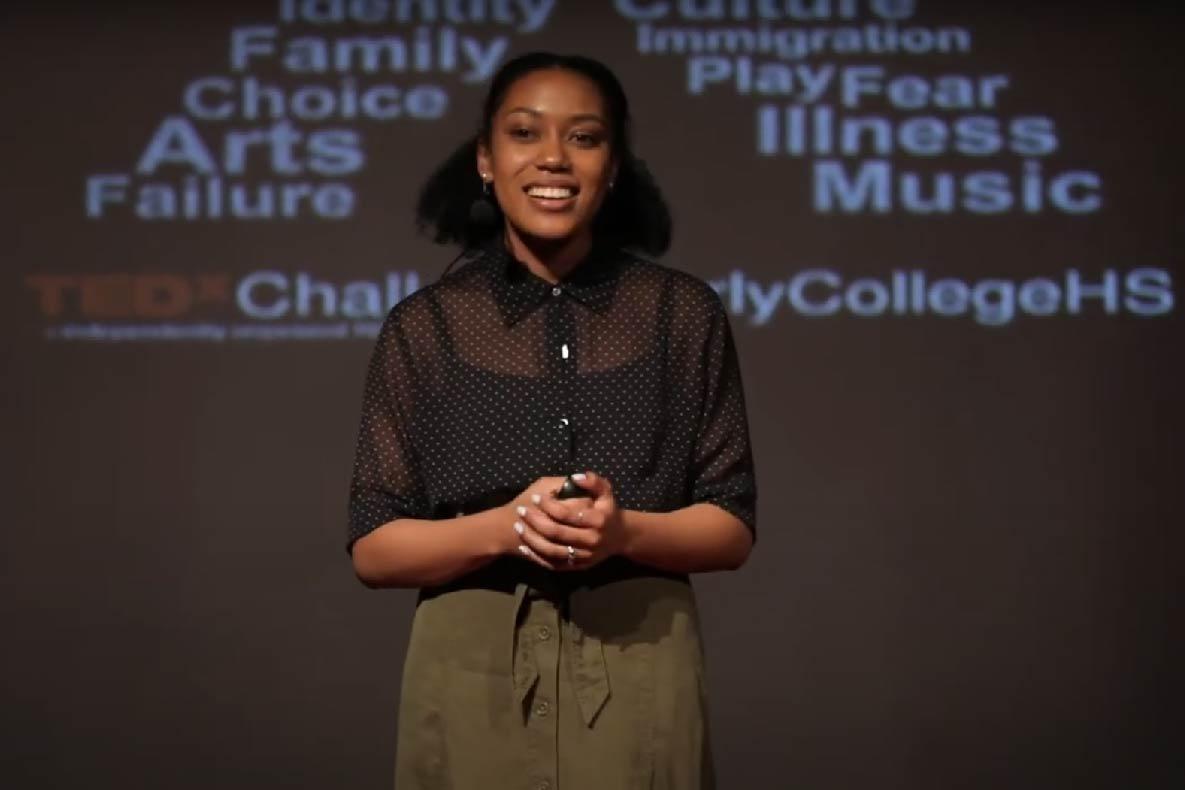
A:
{"points": [[508, 161], [593, 168], [598, 178]]}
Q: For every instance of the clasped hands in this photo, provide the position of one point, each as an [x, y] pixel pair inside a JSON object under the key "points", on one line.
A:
{"points": [[568, 534]]}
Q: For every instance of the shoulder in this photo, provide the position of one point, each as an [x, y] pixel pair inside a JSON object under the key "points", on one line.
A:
{"points": [[419, 305], [413, 328], [688, 293]]}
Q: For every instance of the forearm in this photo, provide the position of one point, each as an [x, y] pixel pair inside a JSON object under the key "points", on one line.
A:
{"points": [[693, 539], [411, 552]]}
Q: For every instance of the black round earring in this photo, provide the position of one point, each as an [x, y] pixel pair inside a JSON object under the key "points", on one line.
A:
{"points": [[481, 210]]}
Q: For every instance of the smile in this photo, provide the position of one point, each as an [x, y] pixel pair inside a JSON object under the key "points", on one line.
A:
{"points": [[551, 193]]}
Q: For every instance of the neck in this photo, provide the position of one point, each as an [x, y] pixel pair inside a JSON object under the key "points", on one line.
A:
{"points": [[550, 259]]}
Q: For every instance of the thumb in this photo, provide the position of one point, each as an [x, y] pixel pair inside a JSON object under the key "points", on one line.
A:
{"points": [[596, 485]]}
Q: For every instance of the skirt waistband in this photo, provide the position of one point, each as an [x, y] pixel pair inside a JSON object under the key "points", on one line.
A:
{"points": [[506, 573]]}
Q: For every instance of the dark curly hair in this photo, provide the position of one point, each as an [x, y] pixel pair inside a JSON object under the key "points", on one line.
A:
{"points": [[634, 213]]}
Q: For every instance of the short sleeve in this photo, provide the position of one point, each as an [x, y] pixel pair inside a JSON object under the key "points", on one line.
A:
{"points": [[386, 482], [722, 469]]}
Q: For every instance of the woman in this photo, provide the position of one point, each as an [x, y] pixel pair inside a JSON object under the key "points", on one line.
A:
{"points": [[555, 642]]}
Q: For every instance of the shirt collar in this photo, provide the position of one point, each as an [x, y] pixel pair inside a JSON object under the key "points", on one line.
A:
{"points": [[518, 290]]}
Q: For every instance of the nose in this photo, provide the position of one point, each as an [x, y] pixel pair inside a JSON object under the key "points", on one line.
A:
{"points": [[552, 154]]}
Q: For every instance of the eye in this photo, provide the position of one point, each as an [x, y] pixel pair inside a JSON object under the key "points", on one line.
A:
{"points": [[586, 139], [521, 132]]}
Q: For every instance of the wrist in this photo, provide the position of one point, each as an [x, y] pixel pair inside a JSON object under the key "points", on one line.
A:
{"points": [[628, 532], [503, 539]]}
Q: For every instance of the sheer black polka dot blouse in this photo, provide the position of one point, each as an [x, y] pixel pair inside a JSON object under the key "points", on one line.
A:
{"points": [[492, 377]]}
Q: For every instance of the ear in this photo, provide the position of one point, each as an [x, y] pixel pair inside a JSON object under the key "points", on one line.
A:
{"points": [[484, 161]]}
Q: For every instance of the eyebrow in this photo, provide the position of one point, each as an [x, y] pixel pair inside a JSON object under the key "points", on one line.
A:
{"points": [[588, 116]]}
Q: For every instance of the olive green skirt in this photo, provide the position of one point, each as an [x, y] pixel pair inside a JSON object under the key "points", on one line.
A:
{"points": [[602, 690]]}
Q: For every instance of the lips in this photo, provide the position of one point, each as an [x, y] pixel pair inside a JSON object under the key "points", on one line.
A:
{"points": [[551, 193], [552, 190], [552, 198]]}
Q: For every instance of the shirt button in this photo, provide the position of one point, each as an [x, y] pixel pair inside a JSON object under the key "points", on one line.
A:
{"points": [[564, 351], [542, 708], [557, 291], [544, 634]]}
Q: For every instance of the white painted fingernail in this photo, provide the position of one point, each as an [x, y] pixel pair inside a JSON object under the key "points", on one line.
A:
{"points": [[522, 510], [524, 549], [579, 476], [518, 527], [536, 498]]}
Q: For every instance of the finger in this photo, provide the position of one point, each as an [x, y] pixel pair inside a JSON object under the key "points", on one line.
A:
{"points": [[543, 523], [558, 534], [568, 511], [555, 554], [581, 512], [528, 553], [582, 518], [587, 518], [595, 484]]}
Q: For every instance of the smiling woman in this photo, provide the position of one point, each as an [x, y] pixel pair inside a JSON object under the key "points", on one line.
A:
{"points": [[550, 161], [632, 212], [556, 639]]}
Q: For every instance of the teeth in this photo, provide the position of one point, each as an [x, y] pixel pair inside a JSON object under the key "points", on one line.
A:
{"points": [[550, 192]]}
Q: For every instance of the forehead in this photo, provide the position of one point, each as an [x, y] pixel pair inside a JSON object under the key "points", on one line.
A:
{"points": [[555, 91]]}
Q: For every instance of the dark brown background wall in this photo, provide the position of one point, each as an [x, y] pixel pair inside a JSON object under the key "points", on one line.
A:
{"points": [[967, 574]]}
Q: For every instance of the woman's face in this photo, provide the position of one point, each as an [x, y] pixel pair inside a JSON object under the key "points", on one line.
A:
{"points": [[549, 155]]}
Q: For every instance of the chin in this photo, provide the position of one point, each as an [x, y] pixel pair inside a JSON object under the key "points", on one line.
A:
{"points": [[547, 231]]}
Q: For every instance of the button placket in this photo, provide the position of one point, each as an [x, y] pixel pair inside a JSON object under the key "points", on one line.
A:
{"points": [[561, 367], [542, 619]]}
